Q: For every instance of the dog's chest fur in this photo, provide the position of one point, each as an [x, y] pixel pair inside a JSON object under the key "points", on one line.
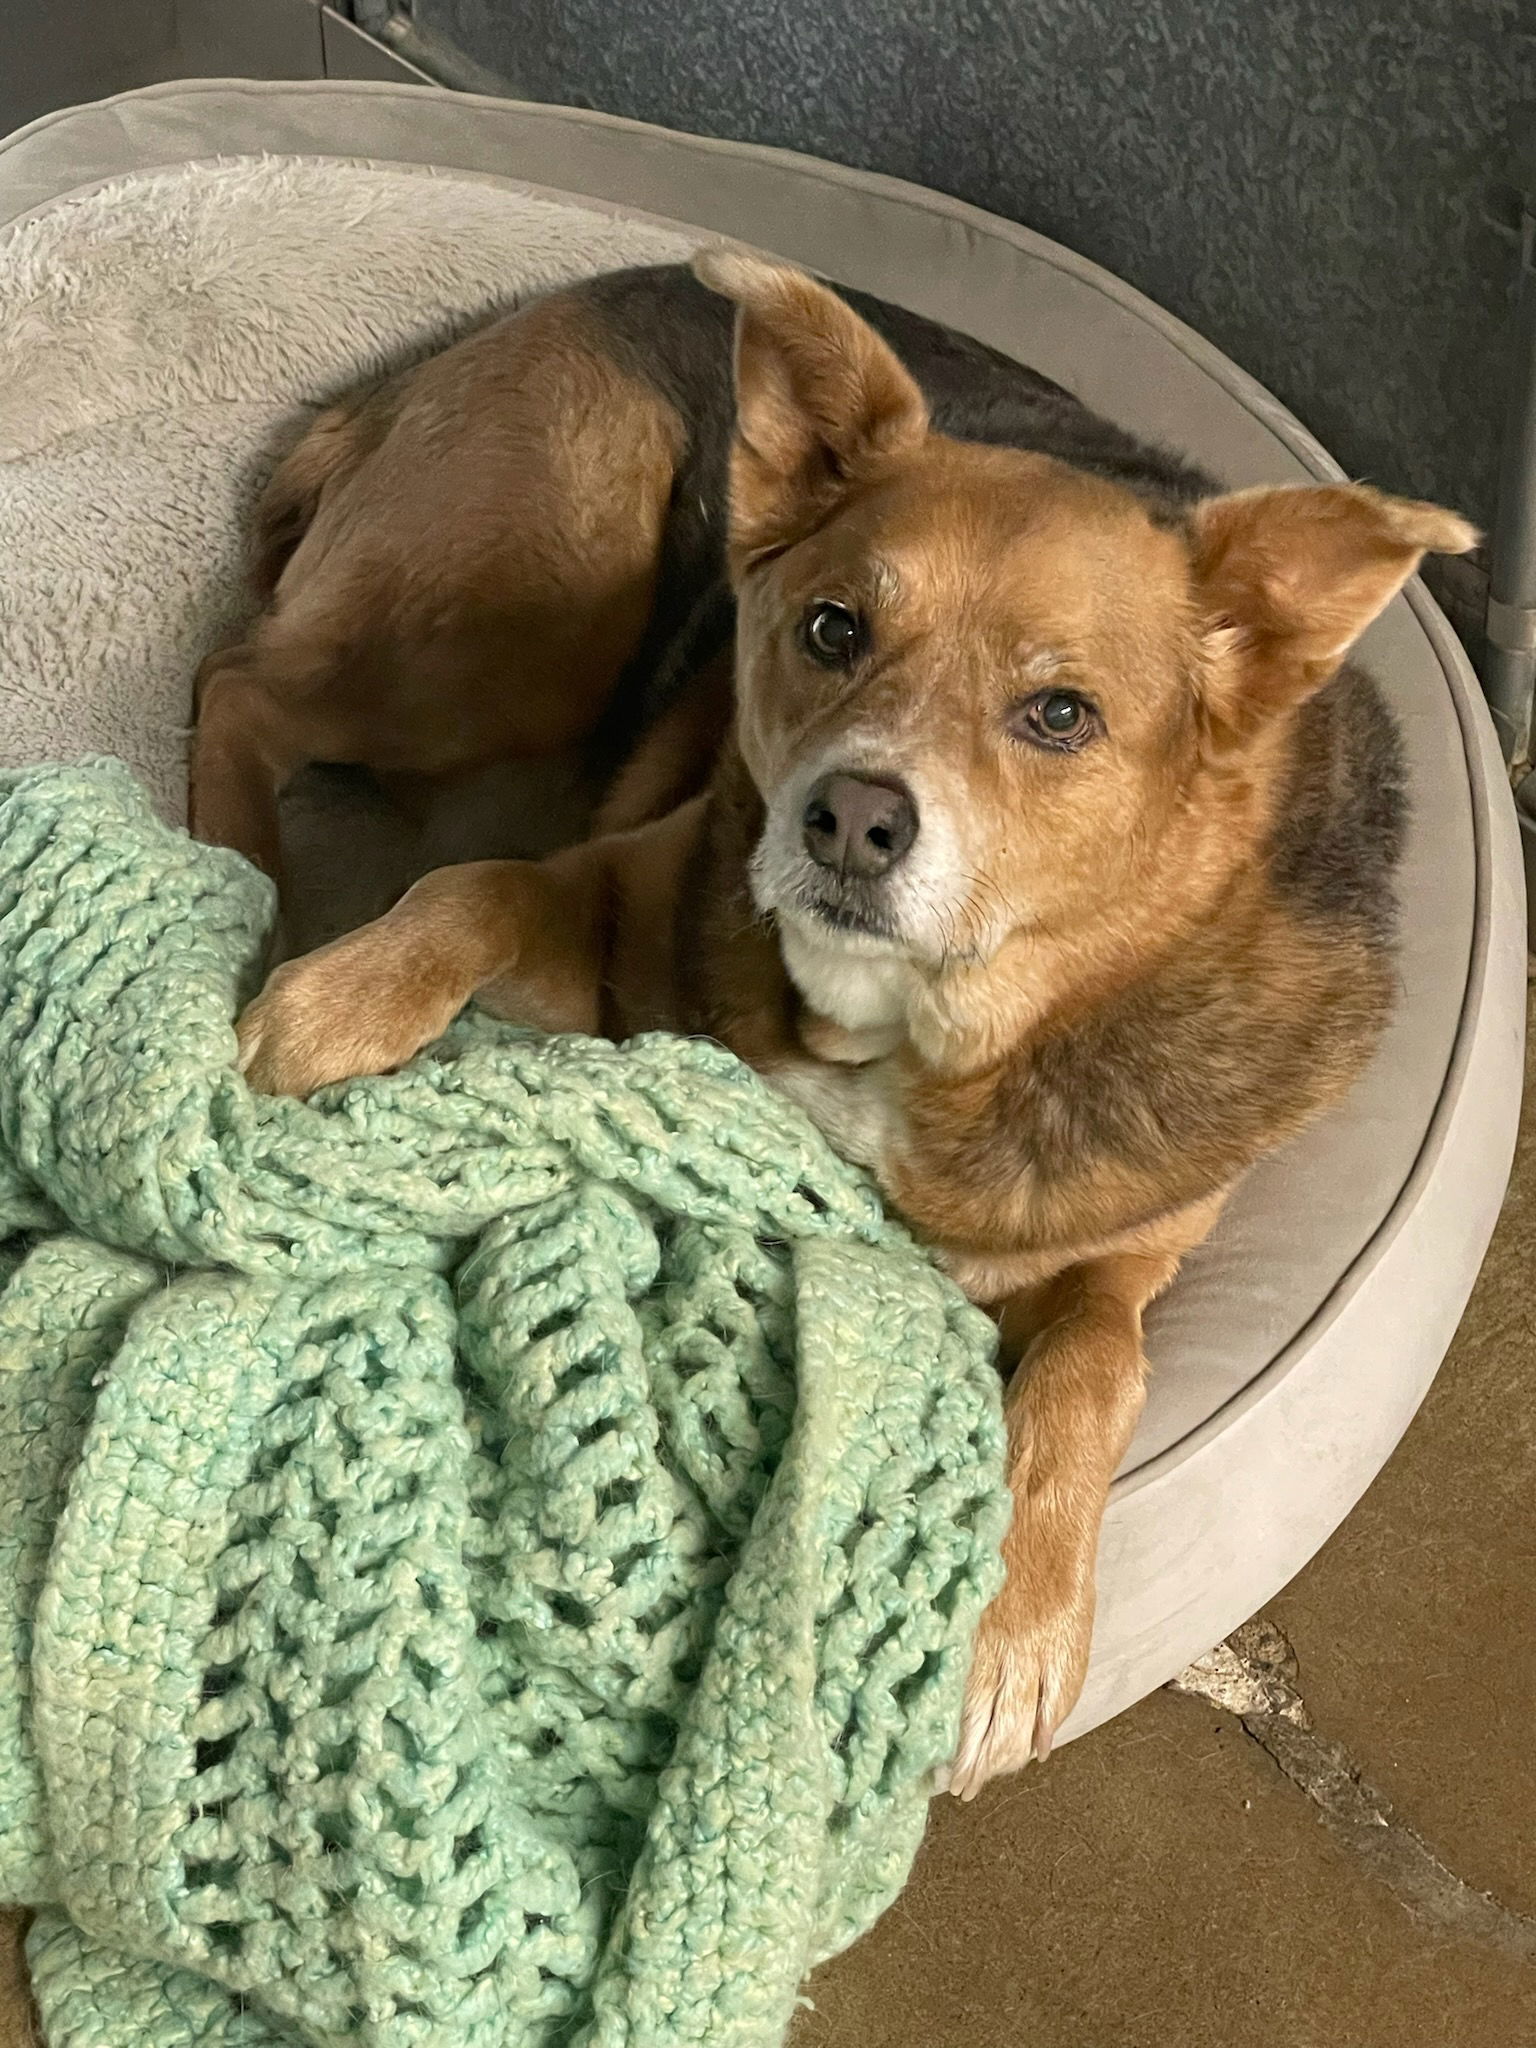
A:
{"points": [[867, 996], [857, 1011]]}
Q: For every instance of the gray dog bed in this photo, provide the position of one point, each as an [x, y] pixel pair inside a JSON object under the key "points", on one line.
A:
{"points": [[187, 272]]}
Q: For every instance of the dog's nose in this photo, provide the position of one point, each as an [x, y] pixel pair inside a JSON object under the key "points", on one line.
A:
{"points": [[858, 824]]}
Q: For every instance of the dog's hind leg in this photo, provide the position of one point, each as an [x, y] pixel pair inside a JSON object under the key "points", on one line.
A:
{"points": [[332, 446], [247, 746]]}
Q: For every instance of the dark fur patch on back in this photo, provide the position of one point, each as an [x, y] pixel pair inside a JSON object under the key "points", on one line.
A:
{"points": [[1343, 812], [976, 393]]}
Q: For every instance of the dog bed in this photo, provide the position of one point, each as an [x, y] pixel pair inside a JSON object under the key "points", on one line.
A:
{"points": [[189, 270]]}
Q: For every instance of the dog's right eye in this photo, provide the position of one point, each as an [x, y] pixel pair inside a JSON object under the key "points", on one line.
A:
{"points": [[1060, 721], [832, 635]]}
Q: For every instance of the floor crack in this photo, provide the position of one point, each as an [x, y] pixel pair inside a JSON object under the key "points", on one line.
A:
{"points": [[1254, 1675]]}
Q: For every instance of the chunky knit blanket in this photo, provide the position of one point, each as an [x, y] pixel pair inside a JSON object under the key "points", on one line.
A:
{"points": [[490, 1554]]}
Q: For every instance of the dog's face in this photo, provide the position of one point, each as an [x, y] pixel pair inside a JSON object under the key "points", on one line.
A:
{"points": [[979, 691], [968, 701]]}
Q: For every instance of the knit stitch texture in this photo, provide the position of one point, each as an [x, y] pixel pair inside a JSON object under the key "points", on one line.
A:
{"points": [[490, 1554]]}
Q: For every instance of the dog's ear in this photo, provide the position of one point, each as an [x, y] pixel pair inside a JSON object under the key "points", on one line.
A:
{"points": [[821, 401], [1287, 580]]}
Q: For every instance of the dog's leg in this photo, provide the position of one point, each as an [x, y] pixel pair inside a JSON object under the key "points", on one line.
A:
{"points": [[579, 942], [368, 1002], [1072, 1404], [244, 751]]}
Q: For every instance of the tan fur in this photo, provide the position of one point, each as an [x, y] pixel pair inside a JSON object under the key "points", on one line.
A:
{"points": [[477, 566], [1052, 904]]}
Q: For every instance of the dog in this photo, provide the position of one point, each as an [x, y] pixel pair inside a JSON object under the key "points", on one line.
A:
{"points": [[992, 782]]}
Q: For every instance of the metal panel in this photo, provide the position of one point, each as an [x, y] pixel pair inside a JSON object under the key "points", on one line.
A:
{"points": [[349, 53]]}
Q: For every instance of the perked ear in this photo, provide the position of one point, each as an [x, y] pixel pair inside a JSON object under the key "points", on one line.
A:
{"points": [[1289, 579], [821, 401]]}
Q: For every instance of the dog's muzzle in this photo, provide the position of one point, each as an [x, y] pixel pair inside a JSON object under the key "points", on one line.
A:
{"points": [[858, 827]]}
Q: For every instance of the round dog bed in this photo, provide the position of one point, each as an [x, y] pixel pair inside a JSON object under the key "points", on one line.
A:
{"points": [[185, 272]]}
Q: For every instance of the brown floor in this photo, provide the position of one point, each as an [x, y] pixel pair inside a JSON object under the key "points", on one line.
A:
{"points": [[1164, 1882]]}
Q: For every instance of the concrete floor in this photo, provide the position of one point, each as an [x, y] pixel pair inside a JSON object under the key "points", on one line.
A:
{"points": [[1358, 1873]]}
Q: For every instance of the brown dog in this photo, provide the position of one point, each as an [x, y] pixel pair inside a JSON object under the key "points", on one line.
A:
{"points": [[1046, 858]]}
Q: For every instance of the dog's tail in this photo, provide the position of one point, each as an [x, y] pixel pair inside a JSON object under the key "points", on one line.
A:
{"points": [[333, 447]]}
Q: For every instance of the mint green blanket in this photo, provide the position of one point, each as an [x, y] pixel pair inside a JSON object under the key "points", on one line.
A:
{"points": [[490, 1556]]}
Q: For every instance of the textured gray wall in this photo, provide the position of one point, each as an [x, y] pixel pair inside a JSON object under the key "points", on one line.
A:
{"points": [[1302, 181]]}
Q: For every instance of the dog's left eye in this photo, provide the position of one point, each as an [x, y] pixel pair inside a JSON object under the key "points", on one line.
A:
{"points": [[832, 634], [1059, 719]]}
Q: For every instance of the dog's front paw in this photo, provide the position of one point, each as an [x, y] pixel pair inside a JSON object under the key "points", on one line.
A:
{"points": [[346, 1009], [1026, 1673]]}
